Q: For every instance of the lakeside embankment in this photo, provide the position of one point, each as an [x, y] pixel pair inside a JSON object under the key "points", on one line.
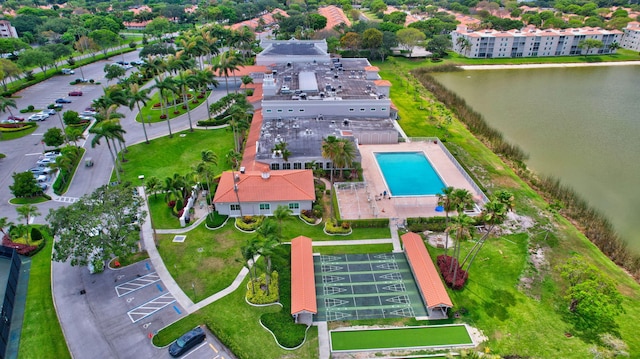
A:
{"points": [[546, 66]]}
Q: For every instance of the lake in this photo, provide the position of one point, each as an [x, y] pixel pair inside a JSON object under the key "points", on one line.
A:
{"points": [[581, 125]]}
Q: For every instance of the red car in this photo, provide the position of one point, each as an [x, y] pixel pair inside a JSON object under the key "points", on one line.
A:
{"points": [[15, 118], [75, 93]]}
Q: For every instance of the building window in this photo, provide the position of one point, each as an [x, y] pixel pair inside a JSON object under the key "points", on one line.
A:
{"points": [[352, 109], [290, 110], [294, 206], [279, 110], [265, 206], [297, 166], [275, 166], [286, 166], [234, 207], [373, 109], [301, 110], [269, 111], [383, 109]]}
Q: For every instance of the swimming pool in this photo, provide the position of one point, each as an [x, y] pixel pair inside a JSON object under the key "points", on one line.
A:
{"points": [[409, 174]]}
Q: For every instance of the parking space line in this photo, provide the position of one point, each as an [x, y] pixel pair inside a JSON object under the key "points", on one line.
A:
{"points": [[135, 284], [195, 349], [159, 287], [176, 309], [144, 310], [212, 347]]}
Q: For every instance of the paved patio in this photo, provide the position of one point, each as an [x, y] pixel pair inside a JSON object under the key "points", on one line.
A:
{"points": [[358, 201]]}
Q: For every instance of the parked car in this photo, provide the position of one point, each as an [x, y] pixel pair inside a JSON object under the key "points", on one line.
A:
{"points": [[67, 72], [40, 178], [187, 341], [15, 118], [88, 113], [40, 170], [38, 117], [137, 62], [82, 80], [46, 161], [63, 100], [75, 93], [43, 186], [49, 111], [52, 154]]}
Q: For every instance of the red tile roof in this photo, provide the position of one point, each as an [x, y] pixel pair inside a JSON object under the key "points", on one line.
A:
{"points": [[429, 281], [335, 16], [283, 185], [303, 283], [249, 156], [382, 83], [245, 70]]}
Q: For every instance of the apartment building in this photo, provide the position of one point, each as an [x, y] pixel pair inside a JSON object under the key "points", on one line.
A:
{"points": [[6, 30], [531, 42], [631, 37], [307, 96]]}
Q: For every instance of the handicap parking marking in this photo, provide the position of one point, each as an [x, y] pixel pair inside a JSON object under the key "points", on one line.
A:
{"points": [[135, 284], [144, 310]]}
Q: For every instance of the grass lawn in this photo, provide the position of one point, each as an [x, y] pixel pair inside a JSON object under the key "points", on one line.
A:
{"points": [[150, 113], [526, 321], [163, 157], [8, 136], [400, 338], [41, 333], [236, 324], [31, 200]]}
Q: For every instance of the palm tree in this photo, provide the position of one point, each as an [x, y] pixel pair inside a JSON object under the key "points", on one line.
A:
{"points": [[249, 251], [461, 199], [206, 78], [182, 82], [208, 158], [461, 225], [26, 212], [227, 64], [116, 132], [153, 186], [493, 213], [239, 123], [100, 131], [445, 200], [64, 163], [233, 158], [280, 214], [346, 153], [164, 85], [6, 104], [268, 239], [4, 222], [137, 96], [74, 134], [329, 151]]}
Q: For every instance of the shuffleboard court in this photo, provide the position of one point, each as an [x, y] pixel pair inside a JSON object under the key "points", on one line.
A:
{"points": [[396, 338], [366, 286]]}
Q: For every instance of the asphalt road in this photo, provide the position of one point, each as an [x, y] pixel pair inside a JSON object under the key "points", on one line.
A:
{"points": [[96, 321]]}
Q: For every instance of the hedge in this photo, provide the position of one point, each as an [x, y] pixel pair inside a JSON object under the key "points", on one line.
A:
{"points": [[241, 222], [367, 223], [260, 296], [421, 224]]}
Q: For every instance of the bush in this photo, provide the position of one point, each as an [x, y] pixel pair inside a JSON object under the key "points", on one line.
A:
{"points": [[332, 227], [35, 234], [215, 219], [260, 295], [30, 108], [171, 204], [444, 263], [421, 224], [367, 223], [249, 223], [308, 216]]}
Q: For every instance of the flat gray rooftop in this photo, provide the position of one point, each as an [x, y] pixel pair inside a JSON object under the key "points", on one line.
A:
{"points": [[304, 135], [345, 78], [292, 49]]}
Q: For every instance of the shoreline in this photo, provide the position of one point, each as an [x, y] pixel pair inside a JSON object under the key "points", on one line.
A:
{"points": [[544, 66]]}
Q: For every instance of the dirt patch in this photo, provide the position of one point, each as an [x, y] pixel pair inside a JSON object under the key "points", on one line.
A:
{"points": [[514, 223], [212, 264]]}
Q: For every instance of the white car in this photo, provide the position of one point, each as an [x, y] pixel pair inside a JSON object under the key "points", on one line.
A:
{"points": [[52, 154], [67, 71], [46, 161], [40, 178], [88, 113], [38, 117]]}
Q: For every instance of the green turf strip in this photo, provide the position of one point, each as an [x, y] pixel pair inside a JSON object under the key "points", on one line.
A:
{"points": [[400, 338]]}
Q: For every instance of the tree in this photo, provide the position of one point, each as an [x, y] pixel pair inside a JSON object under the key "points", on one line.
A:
{"points": [[4, 222], [104, 39], [158, 27], [464, 45], [35, 58], [137, 96], [317, 21], [99, 225], [25, 185], [153, 185], [113, 71], [588, 44], [493, 213], [164, 86], [409, 38], [446, 201], [351, 41], [461, 225], [439, 45], [53, 137], [27, 212], [268, 239], [280, 214], [227, 63], [102, 130], [594, 301], [249, 250], [8, 70], [6, 104], [372, 40]]}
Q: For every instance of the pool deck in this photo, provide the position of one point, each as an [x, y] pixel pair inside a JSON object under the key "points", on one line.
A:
{"points": [[351, 203]]}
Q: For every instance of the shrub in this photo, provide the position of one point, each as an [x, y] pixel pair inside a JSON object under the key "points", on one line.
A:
{"points": [[444, 263], [179, 204], [171, 204], [30, 108], [260, 295], [249, 223], [35, 234], [332, 227], [215, 219], [421, 224], [367, 223]]}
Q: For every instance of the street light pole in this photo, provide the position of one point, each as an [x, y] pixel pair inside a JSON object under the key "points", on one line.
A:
{"points": [[64, 130]]}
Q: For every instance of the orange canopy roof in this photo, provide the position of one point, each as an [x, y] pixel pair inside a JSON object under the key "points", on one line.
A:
{"points": [[244, 71], [429, 282], [303, 283], [253, 186]]}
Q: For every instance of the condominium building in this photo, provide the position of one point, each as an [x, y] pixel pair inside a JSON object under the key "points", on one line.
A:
{"points": [[631, 37], [6, 30], [531, 42]]}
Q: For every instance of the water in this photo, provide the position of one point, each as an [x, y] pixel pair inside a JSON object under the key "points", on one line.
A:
{"points": [[409, 174], [577, 124]]}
